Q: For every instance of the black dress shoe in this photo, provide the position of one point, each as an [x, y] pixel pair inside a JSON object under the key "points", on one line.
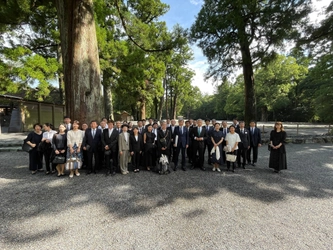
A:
{"points": [[184, 168], [108, 173], [192, 167], [233, 170], [94, 171], [175, 168], [113, 173], [88, 172], [244, 167], [203, 168], [253, 164]]}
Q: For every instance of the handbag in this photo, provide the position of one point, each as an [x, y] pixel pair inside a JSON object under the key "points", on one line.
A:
{"points": [[26, 147], [41, 147], [231, 158], [73, 163], [59, 160]]}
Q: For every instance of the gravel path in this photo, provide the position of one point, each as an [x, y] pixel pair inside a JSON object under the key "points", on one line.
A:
{"points": [[250, 209]]}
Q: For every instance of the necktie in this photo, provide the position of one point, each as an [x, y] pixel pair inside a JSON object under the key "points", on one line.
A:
{"points": [[110, 132], [242, 131], [181, 129], [252, 130], [199, 130], [93, 133], [225, 131]]}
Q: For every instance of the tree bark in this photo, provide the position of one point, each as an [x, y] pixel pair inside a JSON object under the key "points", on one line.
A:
{"points": [[174, 111], [249, 96], [143, 109], [83, 89], [108, 101], [160, 108], [61, 76]]}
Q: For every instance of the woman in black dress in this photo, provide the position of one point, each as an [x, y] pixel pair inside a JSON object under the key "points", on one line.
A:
{"points": [[149, 145], [136, 147], [59, 146], [35, 158], [217, 139], [277, 158]]}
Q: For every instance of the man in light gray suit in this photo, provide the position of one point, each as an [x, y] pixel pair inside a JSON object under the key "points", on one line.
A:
{"points": [[123, 145]]}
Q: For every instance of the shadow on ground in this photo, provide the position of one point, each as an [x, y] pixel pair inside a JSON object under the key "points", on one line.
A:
{"points": [[38, 196]]}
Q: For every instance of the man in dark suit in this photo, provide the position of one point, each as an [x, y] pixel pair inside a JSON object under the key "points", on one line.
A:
{"points": [[244, 145], [189, 148], [109, 144], [67, 123], [171, 129], [235, 122], [198, 135], [141, 128], [255, 142], [225, 131], [208, 142], [180, 143], [92, 143]]}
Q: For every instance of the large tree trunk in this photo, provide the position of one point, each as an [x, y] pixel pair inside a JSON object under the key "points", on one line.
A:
{"points": [[250, 104], [166, 101], [83, 90]]}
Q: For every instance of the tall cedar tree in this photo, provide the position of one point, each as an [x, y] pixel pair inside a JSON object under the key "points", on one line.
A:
{"points": [[234, 33]]}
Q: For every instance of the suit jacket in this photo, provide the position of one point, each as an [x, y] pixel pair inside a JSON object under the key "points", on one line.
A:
{"points": [[170, 129], [123, 145], [224, 134], [195, 133], [136, 145], [111, 141], [245, 138], [183, 138], [95, 142], [209, 131], [255, 138], [142, 130]]}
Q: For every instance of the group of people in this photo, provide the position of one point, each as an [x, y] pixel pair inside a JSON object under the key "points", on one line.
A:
{"points": [[148, 145]]}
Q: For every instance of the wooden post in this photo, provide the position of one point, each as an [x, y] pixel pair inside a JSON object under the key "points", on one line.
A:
{"points": [[329, 129], [297, 129]]}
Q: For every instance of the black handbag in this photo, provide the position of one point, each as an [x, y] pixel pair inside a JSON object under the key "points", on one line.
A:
{"points": [[26, 147], [59, 160]]}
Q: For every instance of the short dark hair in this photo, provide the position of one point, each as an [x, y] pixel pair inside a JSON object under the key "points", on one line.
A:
{"points": [[111, 121], [65, 117], [37, 124], [93, 121]]}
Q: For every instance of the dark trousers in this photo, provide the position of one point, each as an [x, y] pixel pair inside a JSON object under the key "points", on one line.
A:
{"points": [[255, 154], [111, 166], [35, 159], [242, 153], [189, 153], [209, 147], [136, 160], [92, 154], [201, 149], [85, 158], [233, 163], [178, 150], [47, 156], [224, 143]]}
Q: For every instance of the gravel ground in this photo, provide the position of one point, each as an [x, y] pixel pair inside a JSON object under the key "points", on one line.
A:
{"points": [[250, 209]]}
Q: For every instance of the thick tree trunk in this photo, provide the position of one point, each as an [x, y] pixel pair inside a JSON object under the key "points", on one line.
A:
{"points": [[83, 89], [250, 105]]}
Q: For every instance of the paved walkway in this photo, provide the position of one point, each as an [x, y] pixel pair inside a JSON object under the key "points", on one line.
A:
{"points": [[250, 209]]}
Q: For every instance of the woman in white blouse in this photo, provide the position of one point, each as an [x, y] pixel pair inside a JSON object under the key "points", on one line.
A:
{"points": [[47, 149], [74, 142], [232, 140]]}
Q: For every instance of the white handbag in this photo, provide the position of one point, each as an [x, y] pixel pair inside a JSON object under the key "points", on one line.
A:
{"points": [[231, 158]]}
